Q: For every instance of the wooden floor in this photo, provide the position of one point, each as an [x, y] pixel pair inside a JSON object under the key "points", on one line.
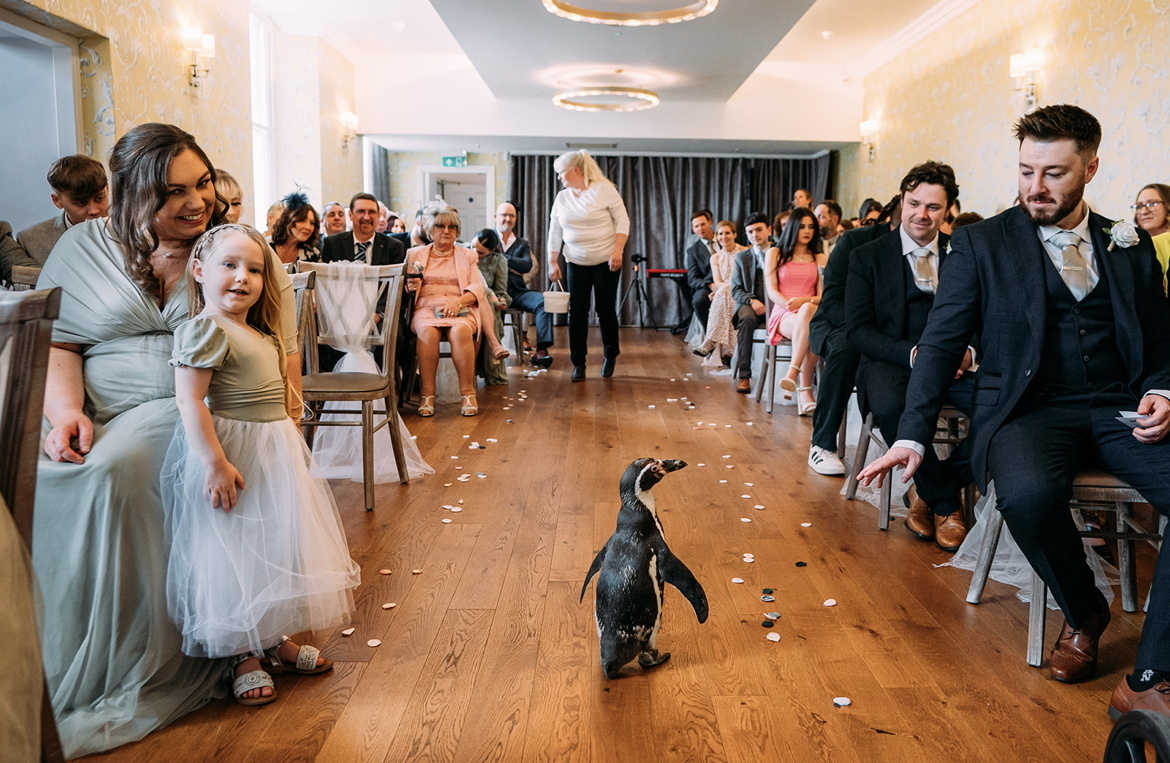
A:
{"points": [[488, 654]]}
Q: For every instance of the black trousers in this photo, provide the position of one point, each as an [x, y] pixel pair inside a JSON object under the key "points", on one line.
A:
{"points": [[1033, 458], [838, 376], [938, 482], [746, 322], [701, 302], [599, 284]]}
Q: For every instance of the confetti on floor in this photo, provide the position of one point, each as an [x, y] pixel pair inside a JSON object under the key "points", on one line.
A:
{"points": [[389, 605], [744, 519], [806, 524], [446, 521], [760, 506], [830, 602], [772, 615], [768, 598], [842, 702], [745, 495], [373, 642], [416, 572], [773, 637], [383, 572], [737, 580], [348, 631]]}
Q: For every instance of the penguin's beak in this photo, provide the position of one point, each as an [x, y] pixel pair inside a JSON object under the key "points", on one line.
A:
{"points": [[673, 465]]}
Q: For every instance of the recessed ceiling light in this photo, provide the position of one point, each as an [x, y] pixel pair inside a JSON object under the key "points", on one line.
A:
{"points": [[685, 12], [826, 34], [611, 99]]}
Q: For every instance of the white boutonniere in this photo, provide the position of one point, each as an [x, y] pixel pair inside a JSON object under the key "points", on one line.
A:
{"points": [[948, 252], [1123, 234]]}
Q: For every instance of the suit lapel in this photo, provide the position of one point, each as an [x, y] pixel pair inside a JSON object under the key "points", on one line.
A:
{"points": [[1119, 272], [892, 268], [1024, 265]]}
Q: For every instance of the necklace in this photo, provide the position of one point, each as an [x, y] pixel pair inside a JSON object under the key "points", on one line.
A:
{"points": [[437, 253], [173, 252]]}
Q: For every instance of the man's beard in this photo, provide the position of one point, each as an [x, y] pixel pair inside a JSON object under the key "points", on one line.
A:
{"points": [[1059, 213]]}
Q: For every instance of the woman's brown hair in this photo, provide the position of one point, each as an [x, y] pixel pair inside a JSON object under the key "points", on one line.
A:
{"points": [[138, 184]]}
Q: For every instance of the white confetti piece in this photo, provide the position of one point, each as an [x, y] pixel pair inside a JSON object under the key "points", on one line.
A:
{"points": [[446, 484], [348, 631], [722, 482], [383, 572], [455, 509], [700, 464], [737, 580], [728, 456], [806, 524], [727, 426], [773, 637], [492, 439], [454, 458], [744, 519], [373, 642], [466, 437], [772, 615], [416, 572], [750, 484], [389, 605], [759, 505], [446, 521], [842, 702], [745, 495], [749, 423], [729, 466], [460, 502], [650, 406], [749, 560], [830, 602]]}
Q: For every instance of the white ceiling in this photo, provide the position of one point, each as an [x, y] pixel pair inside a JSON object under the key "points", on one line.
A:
{"points": [[511, 55]]}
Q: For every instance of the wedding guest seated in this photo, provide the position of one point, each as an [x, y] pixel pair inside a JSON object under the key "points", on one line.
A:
{"points": [[870, 211], [493, 267], [295, 234], [229, 188], [12, 253], [719, 343], [519, 254], [828, 214], [332, 221], [747, 289], [363, 243], [80, 190], [274, 213], [792, 279], [1151, 213], [112, 656], [698, 263], [445, 308], [965, 218]]}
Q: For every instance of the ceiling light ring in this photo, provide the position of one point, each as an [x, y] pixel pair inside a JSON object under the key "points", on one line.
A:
{"points": [[639, 99], [686, 12]]}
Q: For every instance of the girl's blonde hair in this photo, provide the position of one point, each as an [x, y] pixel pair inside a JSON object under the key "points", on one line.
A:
{"points": [[589, 168], [266, 315]]}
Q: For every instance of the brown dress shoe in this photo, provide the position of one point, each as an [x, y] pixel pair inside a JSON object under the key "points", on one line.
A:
{"points": [[1074, 658], [949, 531], [743, 386], [1124, 699], [920, 520]]}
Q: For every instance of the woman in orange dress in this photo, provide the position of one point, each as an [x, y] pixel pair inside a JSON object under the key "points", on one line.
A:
{"points": [[448, 295], [792, 277]]}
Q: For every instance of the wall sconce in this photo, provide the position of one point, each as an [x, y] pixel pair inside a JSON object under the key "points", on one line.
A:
{"points": [[1023, 67], [349, 124], [869, 130], [202, 49]]}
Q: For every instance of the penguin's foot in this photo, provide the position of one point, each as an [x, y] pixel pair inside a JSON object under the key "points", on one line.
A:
{"points": [[652, 658]]}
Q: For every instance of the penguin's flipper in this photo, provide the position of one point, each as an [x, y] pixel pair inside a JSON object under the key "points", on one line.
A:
{"points": [[676, 573], [593, 568]]}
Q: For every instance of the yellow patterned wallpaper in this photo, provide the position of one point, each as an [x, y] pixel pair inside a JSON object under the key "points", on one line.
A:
{"points": [[137, 72], [949, 97], [341, 168]]}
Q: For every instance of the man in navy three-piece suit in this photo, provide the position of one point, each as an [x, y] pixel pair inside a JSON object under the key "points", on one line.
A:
{"points": [[1074, 329]]}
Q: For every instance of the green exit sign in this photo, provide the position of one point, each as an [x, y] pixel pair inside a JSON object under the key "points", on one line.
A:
{"points": [[454, 161]]}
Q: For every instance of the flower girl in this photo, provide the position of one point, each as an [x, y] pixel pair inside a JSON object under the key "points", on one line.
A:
{"points": [[257, 549]]}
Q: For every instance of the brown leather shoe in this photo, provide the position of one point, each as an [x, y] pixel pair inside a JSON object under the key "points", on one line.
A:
{"points": [[1124, 699], [1074, 658], [949, 531], [920, 520], [743, 386]]}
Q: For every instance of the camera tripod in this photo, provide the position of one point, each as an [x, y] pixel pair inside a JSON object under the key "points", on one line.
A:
{"points": [[637, 287]]}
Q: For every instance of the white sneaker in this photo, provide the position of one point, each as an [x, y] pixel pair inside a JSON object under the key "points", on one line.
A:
{"points": [[825, 462]]}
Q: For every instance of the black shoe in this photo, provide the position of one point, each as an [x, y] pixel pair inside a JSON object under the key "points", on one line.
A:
{"points": [[578, 373], [541, 361], [607, 365]]}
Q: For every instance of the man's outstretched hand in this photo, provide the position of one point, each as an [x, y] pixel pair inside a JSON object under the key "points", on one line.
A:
{"points": [[907, 458]]}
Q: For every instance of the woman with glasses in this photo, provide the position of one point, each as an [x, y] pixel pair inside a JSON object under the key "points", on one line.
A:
{"points": [[1151, 213], [448, 291]]}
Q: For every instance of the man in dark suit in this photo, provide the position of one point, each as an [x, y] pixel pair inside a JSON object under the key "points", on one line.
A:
{"points": [[363, 243], [747, 289], [698, 264], [519, 254], [1074, 329], [827, 340], [888, 297]]}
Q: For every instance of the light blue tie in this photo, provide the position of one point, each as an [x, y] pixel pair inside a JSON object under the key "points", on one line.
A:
{"points": [[1074, 271]]}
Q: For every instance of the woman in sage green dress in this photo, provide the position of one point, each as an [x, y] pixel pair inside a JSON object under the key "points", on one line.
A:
{"points": [[112, 656]]}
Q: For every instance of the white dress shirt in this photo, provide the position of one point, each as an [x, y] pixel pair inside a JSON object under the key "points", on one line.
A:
{"points": [[584, 226]]}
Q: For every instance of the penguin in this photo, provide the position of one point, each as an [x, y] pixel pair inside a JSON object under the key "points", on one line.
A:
{"points": [[634, 564]]}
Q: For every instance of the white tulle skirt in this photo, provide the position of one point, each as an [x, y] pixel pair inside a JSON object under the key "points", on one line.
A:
{"points": [[278, 563]]}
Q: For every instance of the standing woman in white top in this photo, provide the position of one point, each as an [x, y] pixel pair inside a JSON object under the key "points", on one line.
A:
{"points": [[589, 225]]}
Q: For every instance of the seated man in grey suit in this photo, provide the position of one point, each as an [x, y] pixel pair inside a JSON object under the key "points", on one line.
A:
{"points": [[11, 253], [698, 264], [81, 190], [363, 243], [747, 289]]}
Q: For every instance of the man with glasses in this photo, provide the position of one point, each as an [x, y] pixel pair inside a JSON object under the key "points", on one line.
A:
{"points": [[519, 254]]}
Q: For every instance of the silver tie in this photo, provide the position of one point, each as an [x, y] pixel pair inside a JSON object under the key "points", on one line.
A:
{"points": [[1073, 268], [923, 275], [360, 256]]}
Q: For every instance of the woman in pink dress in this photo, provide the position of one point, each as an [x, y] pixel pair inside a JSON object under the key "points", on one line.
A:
{"points": [[792, 277], [448, 295]]}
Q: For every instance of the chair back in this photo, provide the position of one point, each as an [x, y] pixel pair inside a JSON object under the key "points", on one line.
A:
{"points": [[26, 322], [303, 285], [24, 277], [384, 295]]}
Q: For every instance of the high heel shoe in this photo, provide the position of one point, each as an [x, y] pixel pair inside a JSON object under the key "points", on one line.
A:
{"points": [[500, 353], [788, 384], [470, 405], [806, 408], [426, 406]]}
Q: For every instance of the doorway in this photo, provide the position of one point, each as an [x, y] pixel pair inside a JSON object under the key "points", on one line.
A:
{"points": [[470, 190]]}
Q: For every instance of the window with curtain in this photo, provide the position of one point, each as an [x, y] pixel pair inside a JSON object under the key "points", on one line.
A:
{"points": [[263, 168], [661, 193]]}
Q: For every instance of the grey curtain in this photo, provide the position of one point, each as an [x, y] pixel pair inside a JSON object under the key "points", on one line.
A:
{"points": [[380, 159], [661, 193]]}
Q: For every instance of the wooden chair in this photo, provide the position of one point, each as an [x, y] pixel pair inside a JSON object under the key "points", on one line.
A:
{"points": [[1093, 488], [364, 388], [951, 429], [303, 285], [515, 320], [26, 321], [24, 277]]}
